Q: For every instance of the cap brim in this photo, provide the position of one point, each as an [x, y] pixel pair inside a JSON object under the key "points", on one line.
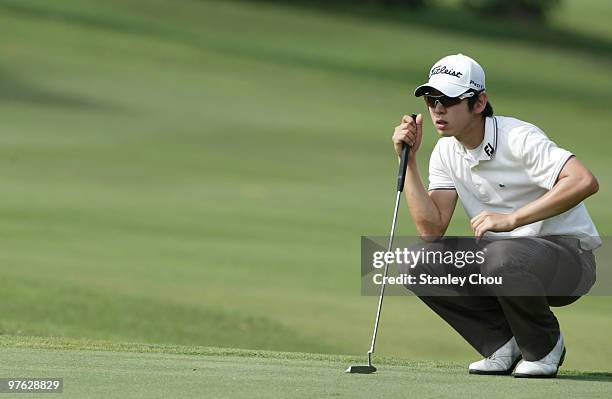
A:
{"points": [[448, 89]]}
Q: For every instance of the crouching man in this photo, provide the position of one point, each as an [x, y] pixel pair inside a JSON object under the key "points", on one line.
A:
{"points": [[512, 181]]}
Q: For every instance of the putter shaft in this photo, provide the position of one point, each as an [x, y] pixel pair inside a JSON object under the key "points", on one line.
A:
{"points": [[382, 288], [401, 177]]}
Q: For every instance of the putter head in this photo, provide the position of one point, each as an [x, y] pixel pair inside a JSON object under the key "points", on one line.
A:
{"points": [[366, 369]]}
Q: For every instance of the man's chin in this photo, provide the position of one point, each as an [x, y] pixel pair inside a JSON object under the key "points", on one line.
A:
{"points": [[445, 133]]}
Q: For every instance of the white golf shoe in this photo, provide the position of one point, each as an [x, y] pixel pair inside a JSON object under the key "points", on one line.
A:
{"points": [[501, 362], [546, 367]]}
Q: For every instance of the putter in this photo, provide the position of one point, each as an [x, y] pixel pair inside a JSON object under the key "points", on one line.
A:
{"points": [[401, 177]]}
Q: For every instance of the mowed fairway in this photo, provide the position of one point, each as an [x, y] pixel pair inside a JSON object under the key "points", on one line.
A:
{"points": [[200, 173]]}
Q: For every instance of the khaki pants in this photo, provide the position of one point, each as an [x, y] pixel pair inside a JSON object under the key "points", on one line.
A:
{"points": [[540, 272]]}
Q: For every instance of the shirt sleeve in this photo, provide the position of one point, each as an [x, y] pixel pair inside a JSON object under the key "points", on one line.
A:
{"points": [[439, 178], [543, 159]]}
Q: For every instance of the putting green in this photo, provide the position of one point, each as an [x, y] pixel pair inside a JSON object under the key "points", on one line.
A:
{"points": [[109, 370]]}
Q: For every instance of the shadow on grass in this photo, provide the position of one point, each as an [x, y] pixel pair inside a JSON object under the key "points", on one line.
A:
{"points": [[464, 22], [442, 19], [587, 376], [14, 89]]}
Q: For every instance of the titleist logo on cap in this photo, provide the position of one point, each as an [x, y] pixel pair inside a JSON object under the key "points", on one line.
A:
{"points": [[443, 69]]}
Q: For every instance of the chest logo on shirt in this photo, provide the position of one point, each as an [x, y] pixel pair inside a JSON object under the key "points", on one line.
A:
{"points": [[489, 149]]}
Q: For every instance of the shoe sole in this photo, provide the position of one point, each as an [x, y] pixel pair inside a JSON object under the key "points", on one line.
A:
{"points": [[520, 375], [502, 372]]}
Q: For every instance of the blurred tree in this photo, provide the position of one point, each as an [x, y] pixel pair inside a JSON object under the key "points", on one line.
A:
{"points": [[532, 9], [375, 3], [411, 3]]}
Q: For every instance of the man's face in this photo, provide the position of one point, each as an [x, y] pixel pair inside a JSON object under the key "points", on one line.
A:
{"points": [[453, 120]]}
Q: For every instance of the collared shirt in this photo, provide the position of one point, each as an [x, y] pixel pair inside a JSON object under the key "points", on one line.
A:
{"points": [[515, 164]]}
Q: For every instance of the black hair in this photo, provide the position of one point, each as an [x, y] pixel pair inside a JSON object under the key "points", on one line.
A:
{"points": [[488, 111]]}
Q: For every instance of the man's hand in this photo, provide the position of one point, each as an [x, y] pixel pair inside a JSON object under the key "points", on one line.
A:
{"points": [[491, 221], [409, 132]]}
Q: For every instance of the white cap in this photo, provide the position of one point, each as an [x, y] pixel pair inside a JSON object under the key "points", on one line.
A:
{"points": [[454, 75]]}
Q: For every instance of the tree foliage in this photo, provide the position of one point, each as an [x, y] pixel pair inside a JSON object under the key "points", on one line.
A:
{"points": [[533, 9], [530, 9]]}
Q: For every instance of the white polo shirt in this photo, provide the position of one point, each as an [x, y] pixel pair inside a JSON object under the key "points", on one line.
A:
{"points": [[515, 164]]}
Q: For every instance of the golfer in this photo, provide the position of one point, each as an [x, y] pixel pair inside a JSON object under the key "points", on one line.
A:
{"points": [[512, 181]]}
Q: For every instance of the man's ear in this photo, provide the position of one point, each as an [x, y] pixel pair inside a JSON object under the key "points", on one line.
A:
{"points": [[481, 102]]}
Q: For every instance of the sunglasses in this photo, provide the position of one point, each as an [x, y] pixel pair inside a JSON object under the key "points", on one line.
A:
{"points": [[432, 101]]}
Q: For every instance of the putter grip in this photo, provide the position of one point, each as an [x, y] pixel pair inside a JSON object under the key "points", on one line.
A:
{"points": [[401, 175]]}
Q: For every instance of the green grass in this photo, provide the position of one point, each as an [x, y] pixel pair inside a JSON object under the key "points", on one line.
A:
{"points": [[104, 369], [200, 173], [584, 16]]}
